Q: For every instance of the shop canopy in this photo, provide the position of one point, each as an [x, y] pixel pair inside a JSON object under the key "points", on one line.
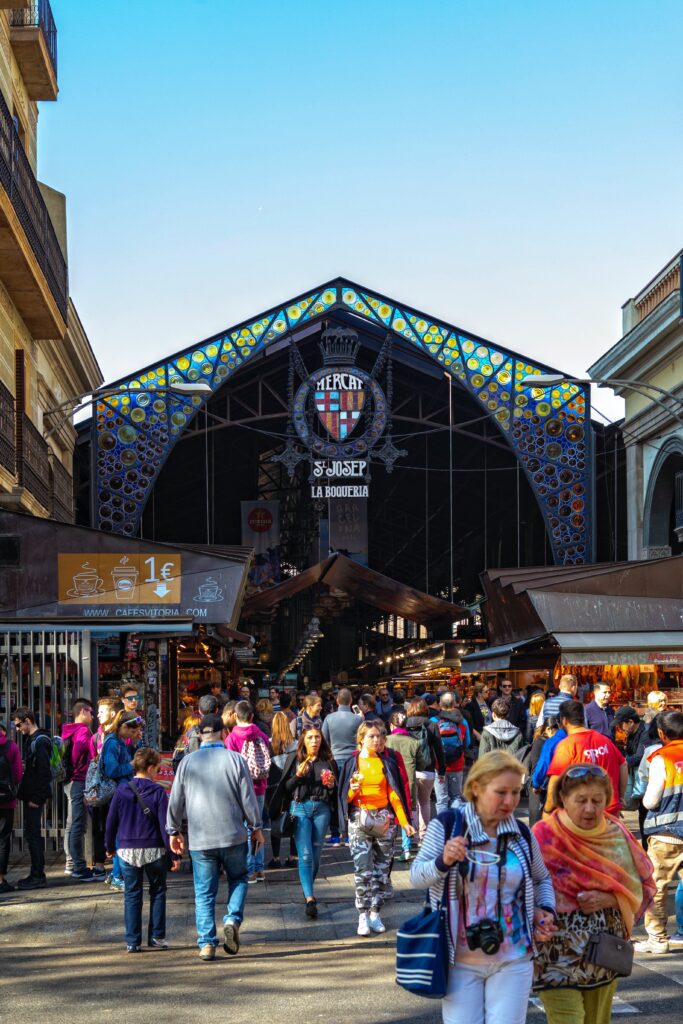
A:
{"points": [[341, 573], [54, 572], [624, 613]]}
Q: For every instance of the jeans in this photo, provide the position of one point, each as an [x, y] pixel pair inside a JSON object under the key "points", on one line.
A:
{"points": [[6, 823], [34, 839], [425, 785], [496, 993], [448, 790], [312, 819], [206, 865], [579, 1006], [667, 860], [132, 901], [76, 823], [255, 862], [679, 906]]}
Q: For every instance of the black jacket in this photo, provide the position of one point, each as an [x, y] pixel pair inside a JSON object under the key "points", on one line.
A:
{"points": [[517, 714], [393, 777], [635, 745], [437, 760], [36, 785], [282, 796], [476, 717]]}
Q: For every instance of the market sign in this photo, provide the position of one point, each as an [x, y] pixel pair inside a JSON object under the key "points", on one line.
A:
{"points": [[339, 414]]}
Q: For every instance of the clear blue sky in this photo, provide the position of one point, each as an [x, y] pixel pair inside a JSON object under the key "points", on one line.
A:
{"points": [[511, 167]]}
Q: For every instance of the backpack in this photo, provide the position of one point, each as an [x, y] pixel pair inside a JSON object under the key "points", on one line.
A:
{"points": [[256, 754], [98, 789], [451, 738], [425, 746], [61, 759], [8, 790]]}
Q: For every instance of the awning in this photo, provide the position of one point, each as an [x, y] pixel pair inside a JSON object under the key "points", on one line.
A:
{"points": [[525, 654], [646, 648], [364, 584]]}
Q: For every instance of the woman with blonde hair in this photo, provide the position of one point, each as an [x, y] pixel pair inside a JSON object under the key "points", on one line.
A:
{"points": [[489, 869], [535, 704], [282, 745], [263, 717], [371, 798]]}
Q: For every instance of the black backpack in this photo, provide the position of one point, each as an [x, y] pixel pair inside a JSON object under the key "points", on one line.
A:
{"points": [[8, 790]]}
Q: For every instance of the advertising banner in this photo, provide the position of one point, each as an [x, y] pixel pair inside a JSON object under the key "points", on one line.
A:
{"points": [[261, 531], [349, 528]]}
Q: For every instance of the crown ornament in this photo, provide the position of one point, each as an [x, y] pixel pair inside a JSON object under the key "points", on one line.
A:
{"points": [[339, 346]]}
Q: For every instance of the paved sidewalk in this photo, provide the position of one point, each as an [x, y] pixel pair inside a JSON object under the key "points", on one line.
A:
{"points": [[63, 956]]}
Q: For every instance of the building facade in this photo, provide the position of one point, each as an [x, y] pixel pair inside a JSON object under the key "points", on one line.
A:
{"points": [[649, 356], [45, 356]]}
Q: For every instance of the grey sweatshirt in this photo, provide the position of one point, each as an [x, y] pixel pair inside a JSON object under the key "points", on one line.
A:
{"points": [[339, 729], [214, 791]]}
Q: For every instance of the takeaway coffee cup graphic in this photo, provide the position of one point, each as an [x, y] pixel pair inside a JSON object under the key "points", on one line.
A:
{"points": [[86, 583], [125, 579], [208, 592]]}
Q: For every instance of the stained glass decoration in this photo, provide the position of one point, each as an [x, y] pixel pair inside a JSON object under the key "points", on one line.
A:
{"points": [[547, 428]]}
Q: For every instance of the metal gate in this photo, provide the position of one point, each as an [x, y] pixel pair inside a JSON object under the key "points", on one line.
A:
{"points": [[46, 671]]}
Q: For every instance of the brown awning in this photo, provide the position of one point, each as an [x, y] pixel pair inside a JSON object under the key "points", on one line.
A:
{"points": [[365, 585]]}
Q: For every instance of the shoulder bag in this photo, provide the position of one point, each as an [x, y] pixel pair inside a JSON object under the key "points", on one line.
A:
{"points": [[611, 952], [422, 941]]}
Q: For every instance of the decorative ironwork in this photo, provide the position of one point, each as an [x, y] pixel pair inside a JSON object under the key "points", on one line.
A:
{"points": [[38, 15], [19, 182], [33, 468], [547, 430], [7, 447], [61, 491]]}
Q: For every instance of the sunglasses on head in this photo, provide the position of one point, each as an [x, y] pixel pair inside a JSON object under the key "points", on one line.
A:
{"points": [[133, 723], [579, 770]]}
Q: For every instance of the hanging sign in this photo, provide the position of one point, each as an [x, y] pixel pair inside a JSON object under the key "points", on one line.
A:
{"points": [[339, 414]]}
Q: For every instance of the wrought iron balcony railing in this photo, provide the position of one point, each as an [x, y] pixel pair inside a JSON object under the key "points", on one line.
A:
{"points": [[7, 443], [38, 15], [33, 467], [18, 181], [61, 491]]}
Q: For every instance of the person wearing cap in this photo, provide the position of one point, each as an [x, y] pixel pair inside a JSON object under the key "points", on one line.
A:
{"points": [[628, 720], [213, 791]]}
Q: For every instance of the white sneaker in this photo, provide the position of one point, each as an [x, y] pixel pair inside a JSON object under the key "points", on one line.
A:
{"points": [[651, 945], [375, 922], [676, 939], [364, 925]]}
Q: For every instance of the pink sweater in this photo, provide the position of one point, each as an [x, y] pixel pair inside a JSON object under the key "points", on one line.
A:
{"points": [[236, 740]]}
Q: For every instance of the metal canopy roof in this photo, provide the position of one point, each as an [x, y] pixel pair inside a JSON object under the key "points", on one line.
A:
{"points": [[364, 584]]}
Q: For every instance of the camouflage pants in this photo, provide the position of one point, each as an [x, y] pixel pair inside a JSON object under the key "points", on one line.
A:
{"points": [[372, 860]]}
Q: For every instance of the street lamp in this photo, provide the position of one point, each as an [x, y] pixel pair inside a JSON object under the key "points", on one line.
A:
{"points": [[551, 380], [74, 404]]}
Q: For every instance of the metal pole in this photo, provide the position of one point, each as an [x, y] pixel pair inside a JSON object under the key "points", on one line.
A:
{"points": [[450, 472], [426, 513], [518, 523]]}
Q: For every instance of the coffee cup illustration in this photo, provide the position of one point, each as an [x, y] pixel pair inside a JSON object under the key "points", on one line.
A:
{"points": [[125, 579], [86, 583], [208, 592]]}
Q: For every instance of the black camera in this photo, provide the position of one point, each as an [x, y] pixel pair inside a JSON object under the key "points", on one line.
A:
{"points": [[486, 935]]}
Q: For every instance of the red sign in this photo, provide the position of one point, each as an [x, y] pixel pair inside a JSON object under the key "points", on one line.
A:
{"points": [[260, 520]]}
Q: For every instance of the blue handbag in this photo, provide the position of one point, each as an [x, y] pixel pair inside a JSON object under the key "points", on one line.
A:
{"points": [[422, 942]]}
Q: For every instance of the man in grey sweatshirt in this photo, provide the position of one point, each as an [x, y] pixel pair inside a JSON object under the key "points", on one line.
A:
{"points": [[339, 729], [214, 792]]}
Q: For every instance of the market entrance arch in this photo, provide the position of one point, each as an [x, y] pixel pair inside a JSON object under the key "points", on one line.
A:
{"points": [[548, 430]]}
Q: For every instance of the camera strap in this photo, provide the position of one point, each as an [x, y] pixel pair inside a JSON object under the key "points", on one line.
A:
{"points": [[501, 851]]}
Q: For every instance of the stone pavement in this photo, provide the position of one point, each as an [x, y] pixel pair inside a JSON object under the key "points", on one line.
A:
{"points": [[64, 961]]}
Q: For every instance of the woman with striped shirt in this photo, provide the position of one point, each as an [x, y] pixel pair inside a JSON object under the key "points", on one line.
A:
{"points": [[500, 897]]}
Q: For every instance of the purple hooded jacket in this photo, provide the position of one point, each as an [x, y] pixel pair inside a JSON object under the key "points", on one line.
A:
{"points": [[81, 755]]}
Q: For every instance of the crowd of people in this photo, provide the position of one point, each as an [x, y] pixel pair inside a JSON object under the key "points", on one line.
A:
{"points": [[436, 780]]}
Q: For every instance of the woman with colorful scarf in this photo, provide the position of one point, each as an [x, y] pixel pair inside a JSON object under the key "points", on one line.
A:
{"points": [[603, 883]]}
